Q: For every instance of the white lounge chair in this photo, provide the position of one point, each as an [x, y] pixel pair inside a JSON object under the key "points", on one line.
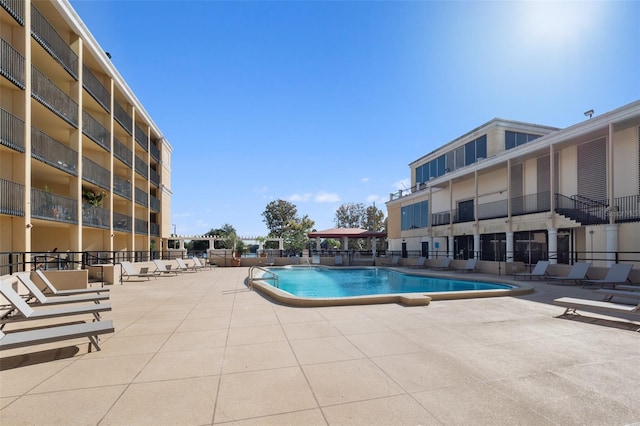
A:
{"points": [[419, 263], [161, 268], [539, 271], [442, 263], [91, 330], [129, 272], [23, 312], [315, 259], [54, 291], [470, 266], [577, 273], [203, 264], [609, 294], [338, 260], [618, 274], [43, 300], [182, 266], [395, 260], [572, 304], [271, 261]]}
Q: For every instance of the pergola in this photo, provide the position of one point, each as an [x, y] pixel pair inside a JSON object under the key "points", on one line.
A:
{"points": [[346, 234]]}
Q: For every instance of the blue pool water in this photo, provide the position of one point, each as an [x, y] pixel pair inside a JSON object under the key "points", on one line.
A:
{"points": [[327, 283]]}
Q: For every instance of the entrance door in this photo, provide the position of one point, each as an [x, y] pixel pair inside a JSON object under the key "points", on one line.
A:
{"points": [[425, 249], [404, 250]]}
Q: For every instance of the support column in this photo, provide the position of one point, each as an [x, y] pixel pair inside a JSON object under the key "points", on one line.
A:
{"points": [[450, 250], [553, 246], [345, 244], [476, 246], [509, 247], [318, 247], [430, 245], [374, 243], [611, 235]]}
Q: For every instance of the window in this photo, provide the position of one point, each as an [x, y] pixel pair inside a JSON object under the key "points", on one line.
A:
{"points": [[415, 216], [514, 139]]}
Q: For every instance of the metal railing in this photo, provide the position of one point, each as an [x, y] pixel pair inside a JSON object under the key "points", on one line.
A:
{"points": [[532, 203], [154, 177], [11, 131], [11, 64], [122, 187], [122, 117], [15, 8], [53, 153], [95, 217], [154, 229], [493, 210], [121, 152], [11, 198], [52, 97], [141, 137], [266, 275], [49, 206], [141, 226], [95, 88], [154, 203], [50, 40], [141, 167], [155, 152], [121, 222], [96, 131], [141, 197], [96, 174]]}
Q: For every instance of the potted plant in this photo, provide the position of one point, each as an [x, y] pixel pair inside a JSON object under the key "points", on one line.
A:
{"points": [[238, 249], [93, 199]]}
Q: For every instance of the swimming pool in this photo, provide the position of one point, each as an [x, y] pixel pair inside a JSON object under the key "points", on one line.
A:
{"points": [[322, 286]]}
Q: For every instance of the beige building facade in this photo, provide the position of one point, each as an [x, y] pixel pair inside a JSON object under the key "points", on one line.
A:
{"points": [[514, 191], [83, 167]]}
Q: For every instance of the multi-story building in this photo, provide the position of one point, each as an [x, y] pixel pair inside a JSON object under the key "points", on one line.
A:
{"points": [[83, 167], [514, 191]]}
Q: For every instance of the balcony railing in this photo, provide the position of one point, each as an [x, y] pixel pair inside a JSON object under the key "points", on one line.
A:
{"points": [[141, 226], [493, 210], [11, 198], [121, 152], [121, 116], [94, 87], [626, 209], [122, 187], [52, 97], [154, 177], [48, 206], [141, 197], [440, 218], [53, 153], [155, 152], [15, 8], [154, 203], [121, 222], [141, 138], [96, 131], [96, 217], [154, 229], [96, 174], [11, 131], [50, 40], [532, 203], [141, 167], [11, 64]]}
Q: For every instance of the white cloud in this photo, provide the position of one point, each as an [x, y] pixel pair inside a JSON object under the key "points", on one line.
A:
{"points": [[375, 199], [300, 197], [364, 179], [403, 184], [326, 197]]}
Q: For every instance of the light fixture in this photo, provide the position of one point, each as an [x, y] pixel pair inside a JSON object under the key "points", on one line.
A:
{"points": [[589, 113], [29, 226]]}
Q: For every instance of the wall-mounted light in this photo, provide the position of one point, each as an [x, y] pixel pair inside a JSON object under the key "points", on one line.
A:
{"points": [[589, 113], [29, 226]]}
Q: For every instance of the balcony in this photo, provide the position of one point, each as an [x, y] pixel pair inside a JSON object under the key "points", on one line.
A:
{"points": [[141, 197], [52, 97], [142, 167], [154, 229], [94, 87], [121, 222], [493, 210], [53, 153], [96, 131], [50, 40], [11, 198], [121, 116], [15, 8], [154, 177], [95, 217], [141, 138], [11, 131], [122, 187], [154, 203], [11, 64], [96, 174], [155, 152], [121, 152], [141, 226], [441, 218], [529, 204], [48, 206]]}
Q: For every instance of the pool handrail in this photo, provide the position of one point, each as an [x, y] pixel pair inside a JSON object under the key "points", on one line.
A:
{"points": [[273, 276]]}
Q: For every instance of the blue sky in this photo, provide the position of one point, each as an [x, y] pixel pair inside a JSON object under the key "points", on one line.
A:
{"points": [[325, 103]]}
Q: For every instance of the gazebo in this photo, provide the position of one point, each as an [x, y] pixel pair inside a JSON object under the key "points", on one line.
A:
{"points": [[346, 234]]}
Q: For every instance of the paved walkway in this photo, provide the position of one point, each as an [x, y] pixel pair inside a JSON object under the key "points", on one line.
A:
{"points": [[200, 349]]}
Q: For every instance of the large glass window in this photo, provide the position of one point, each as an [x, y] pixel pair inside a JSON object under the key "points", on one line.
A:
{"points": [[514, 139], [415, 216]]}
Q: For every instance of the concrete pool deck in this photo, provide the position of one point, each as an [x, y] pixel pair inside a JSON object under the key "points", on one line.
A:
{"points": [[201, 349]]}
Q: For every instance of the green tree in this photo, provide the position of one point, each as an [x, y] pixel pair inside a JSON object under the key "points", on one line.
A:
{"points": [[278, 216], [228, 234], [374, 219], [350, 215], [295, 238]]}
